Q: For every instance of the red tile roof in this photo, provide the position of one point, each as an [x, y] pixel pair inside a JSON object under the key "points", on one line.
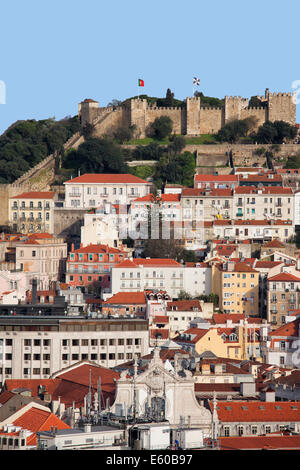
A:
{"points": [[258, 411], [284, 277], [198, 192], [97, 249], [184, 305], [161, 319], [35, 195], [164, 198], [32, 385], [264, 190], [274, 244], [125, 178], [38, 420], [126, 298], [268, 442], [163, 262], [164, 333], [289, 329], [216, 178]]}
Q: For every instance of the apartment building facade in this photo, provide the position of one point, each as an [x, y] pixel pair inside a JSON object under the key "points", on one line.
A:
{"points": [[163, 274], [36, 347], [261, 203], [42, 256], [93, 190], [32, 212], [91, 265], [283, 295], [237, 285]]}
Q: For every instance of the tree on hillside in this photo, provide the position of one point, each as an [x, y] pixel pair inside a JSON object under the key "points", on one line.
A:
{"points": [[97, 156], [161, 127], [235, 129], [178, 170], [169, 101], [275, 132], [124, 133], [28, 142]]}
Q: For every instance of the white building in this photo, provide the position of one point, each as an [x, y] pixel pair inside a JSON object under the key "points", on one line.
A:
{"points": [[140, 274], [92, 190], [37, 347]]}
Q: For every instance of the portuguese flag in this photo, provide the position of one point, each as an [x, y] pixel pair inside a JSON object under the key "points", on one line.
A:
{"points": [[141, 82]]}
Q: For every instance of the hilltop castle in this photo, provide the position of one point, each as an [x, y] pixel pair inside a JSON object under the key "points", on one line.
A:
{"points": [[191, 119]]}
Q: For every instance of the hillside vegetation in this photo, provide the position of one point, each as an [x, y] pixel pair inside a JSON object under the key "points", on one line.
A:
{"points": [[27, 143]]}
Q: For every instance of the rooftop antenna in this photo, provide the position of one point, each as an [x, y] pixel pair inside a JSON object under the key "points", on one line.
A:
{"points": [[134, 387]]}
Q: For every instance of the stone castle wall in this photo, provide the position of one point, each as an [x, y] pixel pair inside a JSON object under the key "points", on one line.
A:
{"points": [[192, 119]]}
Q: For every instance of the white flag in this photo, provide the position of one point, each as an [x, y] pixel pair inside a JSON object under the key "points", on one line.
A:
{"points": [[196, 81]]}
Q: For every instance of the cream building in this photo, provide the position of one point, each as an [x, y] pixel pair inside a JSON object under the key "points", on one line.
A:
{"points": [[92, 190], [43, 257], [237, 285], [266, 202], [36, 347], [32, 212]]}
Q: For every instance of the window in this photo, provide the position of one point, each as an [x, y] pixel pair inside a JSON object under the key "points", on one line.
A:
{"points": [[36, 371], [226, 431], [36, 342]]}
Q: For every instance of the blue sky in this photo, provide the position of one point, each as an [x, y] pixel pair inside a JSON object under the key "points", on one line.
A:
{"points": [[55, 54]]}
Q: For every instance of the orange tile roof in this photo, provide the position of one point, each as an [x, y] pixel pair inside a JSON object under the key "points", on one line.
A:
{"points": [[97, 249], [215, 178], [289, 329], [39, 235], [36, 420], [268, 442], [265, 190], [108, 178], [164, 333], [35, 195], [274, 244], [32, 385], [163, 262], [126, 298], [164, 198], [240, 267], [284, 277], [198, 192], [197, 332], [258, 411], [161, 319], [184, 305]]}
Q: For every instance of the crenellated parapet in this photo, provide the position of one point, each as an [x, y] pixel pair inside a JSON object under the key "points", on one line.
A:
{"points": [[192, 118]]}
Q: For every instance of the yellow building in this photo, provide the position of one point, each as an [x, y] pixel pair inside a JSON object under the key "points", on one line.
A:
{"points": [[240, 342], [32, 212], [237, 285]]}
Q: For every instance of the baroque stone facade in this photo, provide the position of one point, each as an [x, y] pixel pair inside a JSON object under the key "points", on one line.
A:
{"points": [[192, 118], [161, 393]]}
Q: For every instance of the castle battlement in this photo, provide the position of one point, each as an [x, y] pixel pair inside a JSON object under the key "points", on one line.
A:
{"points": [[280, 94], [171, 108], [210, 108], [194, 118]]}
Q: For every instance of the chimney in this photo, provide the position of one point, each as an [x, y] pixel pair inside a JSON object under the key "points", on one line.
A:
{"points": [[34, 291]]}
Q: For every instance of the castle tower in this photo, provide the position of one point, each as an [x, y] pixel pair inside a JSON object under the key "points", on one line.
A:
{"points": [[233, 107], [87, 111], [138, 116], [193, 116], [281, 107]]}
